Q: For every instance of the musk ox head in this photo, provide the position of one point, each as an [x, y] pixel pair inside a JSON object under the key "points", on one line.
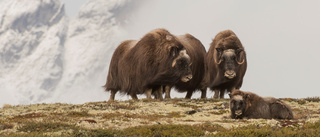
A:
{"points": [[182, 64], [181, 60], [238, 104], [229, 55], [171, 62]]}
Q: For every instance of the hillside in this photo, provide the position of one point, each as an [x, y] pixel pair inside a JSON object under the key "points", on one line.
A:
{"points": [[45, 56], [175, 117]]}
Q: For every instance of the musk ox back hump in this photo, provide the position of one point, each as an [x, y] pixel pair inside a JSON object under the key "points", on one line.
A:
{"points": [[158, 58], [280, 110]]}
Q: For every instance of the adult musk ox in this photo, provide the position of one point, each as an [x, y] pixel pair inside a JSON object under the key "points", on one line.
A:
{"points": [[249, 105], [226, 63], [137, 67], [197, 53]]}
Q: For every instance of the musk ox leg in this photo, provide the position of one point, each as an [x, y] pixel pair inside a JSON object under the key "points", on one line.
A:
{"points": [[280, 110], [222, 94], [189, 94], [112, 95], [158, 93], [148, 93], [203, 93], [167, 90], [216, 93], [134, 96]]}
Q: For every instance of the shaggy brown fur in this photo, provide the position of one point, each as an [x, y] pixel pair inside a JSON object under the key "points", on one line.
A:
{"points": [[197, 53], [249, 105], [138, 66], [226, 63]]}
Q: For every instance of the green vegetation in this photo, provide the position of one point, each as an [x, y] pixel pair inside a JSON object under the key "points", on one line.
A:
{"points": [[302, 101], [181, 117], [78, 114], [220, 112], [205, 129], [188, 105], [307, 129], [163, 130], [149, 117], [313, 99], [21, 118], [45, 127], [5, 125]]}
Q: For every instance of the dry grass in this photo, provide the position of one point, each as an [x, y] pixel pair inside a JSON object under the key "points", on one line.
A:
{"points": [[175, 117]]}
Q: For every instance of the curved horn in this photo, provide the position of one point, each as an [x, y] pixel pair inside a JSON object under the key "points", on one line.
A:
{"points": [[216, 55], [218, 62], [241, 62]]}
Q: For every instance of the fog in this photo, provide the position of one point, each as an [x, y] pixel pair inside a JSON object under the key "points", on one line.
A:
{"points": [[281, 38]]}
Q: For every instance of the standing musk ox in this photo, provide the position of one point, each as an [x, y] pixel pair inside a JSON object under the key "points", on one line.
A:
{"points": [[226, 63], [197, 53], [156, 59], [249, 105]]}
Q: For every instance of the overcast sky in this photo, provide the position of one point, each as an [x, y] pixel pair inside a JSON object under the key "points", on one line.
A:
{"points": [[281, 38], [72, 6]]}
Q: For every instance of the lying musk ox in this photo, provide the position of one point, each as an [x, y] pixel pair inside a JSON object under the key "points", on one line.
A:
{"points": [[249, 105], [156, 59], [197, 52], [226, 63]]}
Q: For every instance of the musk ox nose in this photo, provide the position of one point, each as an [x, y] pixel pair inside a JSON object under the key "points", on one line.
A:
{"points": [[186, 78], [238, 112], [230, 74], [189, 77]]}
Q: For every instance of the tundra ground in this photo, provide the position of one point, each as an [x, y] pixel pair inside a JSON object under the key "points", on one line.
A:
{"points": [[174, 117]]}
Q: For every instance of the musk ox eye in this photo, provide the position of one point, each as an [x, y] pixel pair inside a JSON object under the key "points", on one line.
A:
{"points": [[241, 103], [174, 51], [219, 50], [186, 66], [232, 102], [239, 51]]}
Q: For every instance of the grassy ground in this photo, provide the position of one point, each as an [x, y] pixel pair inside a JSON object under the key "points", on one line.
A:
{"points": [[175, 117]]}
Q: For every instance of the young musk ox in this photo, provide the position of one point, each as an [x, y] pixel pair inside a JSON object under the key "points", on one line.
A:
{"points": [[226, 63], [197, 53], [156, 59], [249, 105]]}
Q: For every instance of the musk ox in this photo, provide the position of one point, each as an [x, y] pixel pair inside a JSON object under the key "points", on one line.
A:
{"points": [[249, 105], [197, 53], [226, 63], [137, 67]]}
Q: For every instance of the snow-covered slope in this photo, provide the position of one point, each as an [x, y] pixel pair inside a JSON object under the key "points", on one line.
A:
{"points": [[32, 35], [46, 57], [92, 38]]}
